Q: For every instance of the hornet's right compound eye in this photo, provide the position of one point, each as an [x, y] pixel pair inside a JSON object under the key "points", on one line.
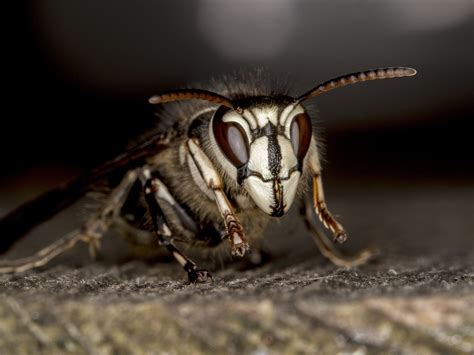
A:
{"points": [[231, 139], [301, 133]]}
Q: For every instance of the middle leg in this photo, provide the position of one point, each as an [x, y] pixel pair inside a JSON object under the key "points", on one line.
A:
{"points": [[151, 189], [325, 245], [318, 205]]}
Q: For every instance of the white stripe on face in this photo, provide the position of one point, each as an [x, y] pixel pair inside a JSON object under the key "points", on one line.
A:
{"points": [[261, 193], [258, 160], [289, 189]]}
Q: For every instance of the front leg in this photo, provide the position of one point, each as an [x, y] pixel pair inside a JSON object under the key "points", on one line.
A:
{"points": [[205, 173]]}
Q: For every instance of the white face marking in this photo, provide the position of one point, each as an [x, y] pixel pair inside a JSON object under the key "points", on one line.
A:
{"points": [[261, 193], [272, 164], [289, 189], [288, 119], [233, 116], [286, 112], [288, 157], [258, 160], [265, 115]]}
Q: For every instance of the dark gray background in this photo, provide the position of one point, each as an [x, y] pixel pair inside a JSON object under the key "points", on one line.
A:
{"points": [[78, 75]]}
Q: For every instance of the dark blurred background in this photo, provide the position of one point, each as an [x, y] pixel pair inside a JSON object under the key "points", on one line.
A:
{"points": [[78, 74]]}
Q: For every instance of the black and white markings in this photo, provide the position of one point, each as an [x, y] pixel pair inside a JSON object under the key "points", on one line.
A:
{"points": [[272, 171]]}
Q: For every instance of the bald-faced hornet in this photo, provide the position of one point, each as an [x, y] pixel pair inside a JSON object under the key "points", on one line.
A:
{"points": [[220, 167]]}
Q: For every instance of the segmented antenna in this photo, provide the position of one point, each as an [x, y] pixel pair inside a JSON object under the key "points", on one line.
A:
{"points": [[188, 94], [354, 78]]}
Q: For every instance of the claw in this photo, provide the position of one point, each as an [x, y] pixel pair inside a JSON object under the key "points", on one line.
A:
{"points": [[340, 237], [199, 276], [240, 249], [94, 244], [239, 245]]}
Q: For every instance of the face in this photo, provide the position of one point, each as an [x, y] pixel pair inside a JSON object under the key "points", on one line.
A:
{"points": [[263, 148]]}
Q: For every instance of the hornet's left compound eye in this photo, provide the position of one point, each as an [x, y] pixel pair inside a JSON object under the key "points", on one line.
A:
{"points": [[231, 138], [301, 133]]}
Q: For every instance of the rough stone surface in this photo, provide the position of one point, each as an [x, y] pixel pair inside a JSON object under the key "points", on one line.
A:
{"points": [[416, 297]]}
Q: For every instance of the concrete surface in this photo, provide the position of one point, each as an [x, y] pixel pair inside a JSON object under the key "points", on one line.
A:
{"points": [[415, 298]]}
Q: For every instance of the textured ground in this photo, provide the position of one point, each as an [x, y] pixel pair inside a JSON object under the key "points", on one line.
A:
{"points": [[415, 298]]}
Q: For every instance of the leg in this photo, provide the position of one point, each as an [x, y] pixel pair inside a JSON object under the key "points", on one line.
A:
{"points": [[339, 234], [200, 164], [162, 192], [325, 216], [326, 247], [91, 232], [319, 205], [151, 187]]}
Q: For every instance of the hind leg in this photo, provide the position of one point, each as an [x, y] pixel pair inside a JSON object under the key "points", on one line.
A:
{"points": [[91, 232]]}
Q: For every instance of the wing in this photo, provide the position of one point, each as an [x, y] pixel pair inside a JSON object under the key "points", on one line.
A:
{"points": [[21, 220]]}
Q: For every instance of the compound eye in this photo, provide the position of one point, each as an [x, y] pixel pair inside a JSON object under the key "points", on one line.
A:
{"points": [[301, 133], [231, 138]]}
